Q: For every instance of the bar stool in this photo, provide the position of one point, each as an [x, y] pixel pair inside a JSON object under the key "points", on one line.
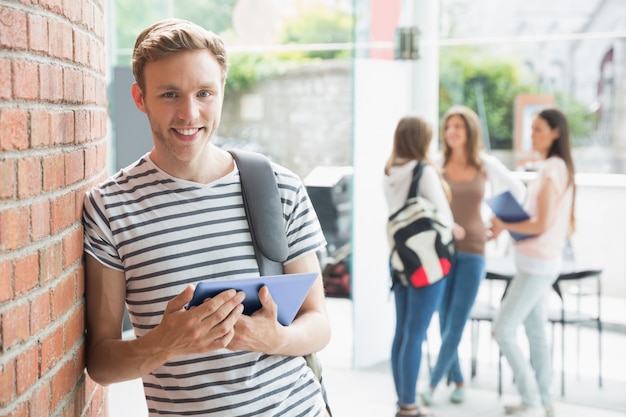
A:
{"points": [[568, 316]]}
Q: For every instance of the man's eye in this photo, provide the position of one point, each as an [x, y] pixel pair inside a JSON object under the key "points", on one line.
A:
{"points": [[169, 95], [204, 94]]}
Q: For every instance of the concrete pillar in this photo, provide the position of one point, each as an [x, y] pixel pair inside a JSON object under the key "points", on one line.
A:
{"points": [[384, 91]]}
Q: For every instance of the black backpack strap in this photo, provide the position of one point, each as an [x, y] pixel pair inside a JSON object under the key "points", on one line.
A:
{"points": [[417, 174], [264, 210]]}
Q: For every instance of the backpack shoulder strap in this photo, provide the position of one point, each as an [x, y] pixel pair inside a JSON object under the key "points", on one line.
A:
{"points": [[264, 211], [417, 174]]}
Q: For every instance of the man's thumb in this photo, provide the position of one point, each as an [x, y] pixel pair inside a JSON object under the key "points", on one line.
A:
{"points": [[181, 299]]}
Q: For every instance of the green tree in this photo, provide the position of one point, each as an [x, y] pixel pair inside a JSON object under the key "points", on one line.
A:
{"points": [[466, 72], [318, 26], [132, 16]]}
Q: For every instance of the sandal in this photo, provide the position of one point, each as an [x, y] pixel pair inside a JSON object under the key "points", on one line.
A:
{"points": [[407, 411], [404, 411]]}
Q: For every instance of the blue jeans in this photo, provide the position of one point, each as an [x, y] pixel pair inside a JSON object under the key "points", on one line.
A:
{"points": [[414, 310], [461, 288], [525, 302]]}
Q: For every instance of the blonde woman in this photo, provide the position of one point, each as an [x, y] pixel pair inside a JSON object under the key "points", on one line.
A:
{"points": [[472, 175]]}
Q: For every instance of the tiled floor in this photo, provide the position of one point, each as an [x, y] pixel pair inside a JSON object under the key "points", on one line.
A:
{"points": [[369, 392]]}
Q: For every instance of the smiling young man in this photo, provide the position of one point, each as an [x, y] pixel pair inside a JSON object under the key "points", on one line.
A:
{"points": [[175, 218]]}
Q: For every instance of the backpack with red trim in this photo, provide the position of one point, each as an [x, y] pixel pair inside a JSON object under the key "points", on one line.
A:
{"points": [[422, 247]]}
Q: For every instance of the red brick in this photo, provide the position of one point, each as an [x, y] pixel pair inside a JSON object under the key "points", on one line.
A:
{"points": [[51, 83], [75, 328], [87, 17], [82, 125], [52, 348], [14, 328], [39, 128], [6, 280], [62, 212], [55, 6], [81, 48], [91, 162], [13, 228], [53, 172], [39, 313], [7, 382], [26, 271], [7, 173], [40, 220], [25, 80], [74, 166], [62, 297], [28, 177], [37, 33], [62, 127], [14, 29], [62, 383], [20, 410], [38, 402], [51, 262], [73, 247], [14, 128], [102, 155], [60, 40], [73, 10], [90, 90], [27, 369], [5, 80], [73, 82]]}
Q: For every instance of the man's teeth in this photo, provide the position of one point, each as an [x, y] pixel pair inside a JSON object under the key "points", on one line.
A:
{"points": [[187, 132]]}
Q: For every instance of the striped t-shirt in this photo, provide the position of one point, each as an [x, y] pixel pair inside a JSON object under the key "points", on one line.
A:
{"points": [[165, 233]]}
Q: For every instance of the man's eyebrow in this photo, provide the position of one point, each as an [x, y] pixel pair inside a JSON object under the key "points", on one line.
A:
{"points": [[167, 87], [172, 87]]}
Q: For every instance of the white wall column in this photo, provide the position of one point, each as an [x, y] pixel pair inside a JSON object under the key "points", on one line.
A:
{"points": [[384, 92]]}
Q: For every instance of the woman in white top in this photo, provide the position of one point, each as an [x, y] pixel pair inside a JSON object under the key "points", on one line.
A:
{"points": [[414, 306], [550, 204]]}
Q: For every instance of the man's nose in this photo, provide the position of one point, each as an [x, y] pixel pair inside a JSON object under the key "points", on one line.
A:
{"points": [[188, 108]]}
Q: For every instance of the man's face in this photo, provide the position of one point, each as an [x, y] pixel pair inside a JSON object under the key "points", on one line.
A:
{"points": [[182, 98]]}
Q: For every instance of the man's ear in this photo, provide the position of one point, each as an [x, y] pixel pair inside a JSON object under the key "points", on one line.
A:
{"points": [[138, 97]]}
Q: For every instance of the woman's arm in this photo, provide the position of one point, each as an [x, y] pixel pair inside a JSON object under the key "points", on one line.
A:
{"points": [[502, 179]]}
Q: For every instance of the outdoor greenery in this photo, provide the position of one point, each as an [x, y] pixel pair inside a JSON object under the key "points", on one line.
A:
{"points": [[486, 82], [319, 26], [131, 17], [467, 73]]}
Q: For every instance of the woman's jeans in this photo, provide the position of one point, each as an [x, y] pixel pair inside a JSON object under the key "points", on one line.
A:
{"points": [[458, 298], [525, 302], [414, 309]]}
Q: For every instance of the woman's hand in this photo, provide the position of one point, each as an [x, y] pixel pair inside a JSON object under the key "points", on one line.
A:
{"points": [[497, 226], [458, 232]]}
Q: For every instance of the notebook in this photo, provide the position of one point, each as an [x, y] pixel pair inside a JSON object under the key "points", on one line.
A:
{"points": [[507, 208], [287, 290]]}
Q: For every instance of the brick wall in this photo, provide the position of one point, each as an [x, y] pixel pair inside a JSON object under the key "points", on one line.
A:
{"points": [[52, 148]]}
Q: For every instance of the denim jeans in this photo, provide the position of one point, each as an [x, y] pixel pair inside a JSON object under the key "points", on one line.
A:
{"points": [[458, 298], [414, 310], [525, 302]]}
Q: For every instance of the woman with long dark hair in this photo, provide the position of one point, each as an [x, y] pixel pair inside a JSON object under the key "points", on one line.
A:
{"points": [[550, 204]]}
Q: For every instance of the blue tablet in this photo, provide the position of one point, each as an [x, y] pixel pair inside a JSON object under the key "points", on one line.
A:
{"points": [[506, 207], [288, 292]]}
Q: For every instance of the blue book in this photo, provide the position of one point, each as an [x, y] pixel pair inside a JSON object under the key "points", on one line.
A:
{"points": [[507, 208], [288, 292]]}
